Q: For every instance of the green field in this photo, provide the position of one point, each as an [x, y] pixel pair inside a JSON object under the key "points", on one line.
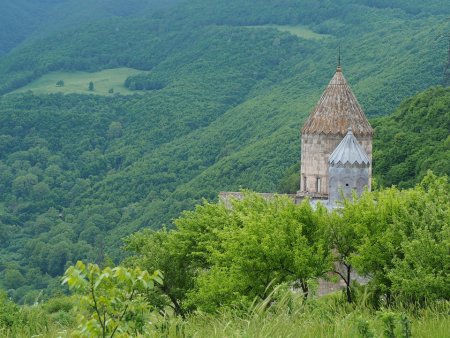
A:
{"points": [[78, 82], [300, 31]]}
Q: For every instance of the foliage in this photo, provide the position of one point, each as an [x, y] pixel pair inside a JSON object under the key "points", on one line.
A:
{"points": [[51, 319], [413, 139], [24, 18], [268, 243], [346, 239], [228, 254], [113, 298], [144, 82], [223, 256], [405, 241], [233, 86], [219, 256], [324, 317], [159, 250], [8, 312], [286, 317]]}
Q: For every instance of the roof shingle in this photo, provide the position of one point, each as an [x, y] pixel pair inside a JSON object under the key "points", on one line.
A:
{"points": [[337, 110]]}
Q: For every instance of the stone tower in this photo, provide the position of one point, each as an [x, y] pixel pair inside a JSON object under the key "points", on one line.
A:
{"points": [[349, 168], [328, 124]]}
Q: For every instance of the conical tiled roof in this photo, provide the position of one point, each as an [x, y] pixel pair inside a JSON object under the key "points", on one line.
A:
{"points": [[349, 151], [337, 110]]}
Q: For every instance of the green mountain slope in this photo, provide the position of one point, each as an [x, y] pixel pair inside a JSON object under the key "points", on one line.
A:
{"points": [[24, 19], [18, 19], [222, 110], [414, 139]]}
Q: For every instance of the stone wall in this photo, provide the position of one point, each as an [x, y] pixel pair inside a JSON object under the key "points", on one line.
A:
{"points": [[345, 179], [315, 153]]}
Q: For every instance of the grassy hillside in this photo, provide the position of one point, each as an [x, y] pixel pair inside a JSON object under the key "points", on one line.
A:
{"points": [[300, 31], [78, 82], [79, 172]]}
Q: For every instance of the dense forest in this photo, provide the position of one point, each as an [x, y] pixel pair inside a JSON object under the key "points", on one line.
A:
{"points": [[413, 139], [24, 19], [224, 88]]}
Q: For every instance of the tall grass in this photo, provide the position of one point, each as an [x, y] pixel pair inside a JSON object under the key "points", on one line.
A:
{"points": [[282, 314], [31, 322], [52, 319], [289, 316]]}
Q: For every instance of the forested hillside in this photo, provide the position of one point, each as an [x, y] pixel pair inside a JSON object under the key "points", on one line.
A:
{"points": [[22, 19], [224, 94], [413, 139]]}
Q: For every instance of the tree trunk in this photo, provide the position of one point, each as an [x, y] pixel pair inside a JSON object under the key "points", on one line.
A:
{"points": [[346, 277], [347, 283], [178, 310], [304, 286], [176, 305]]}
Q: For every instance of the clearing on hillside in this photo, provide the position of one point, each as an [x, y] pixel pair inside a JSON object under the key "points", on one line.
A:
{"points": [[105, 82], [300, 31]]}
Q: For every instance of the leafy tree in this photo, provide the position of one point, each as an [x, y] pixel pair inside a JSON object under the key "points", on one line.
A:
{"points": [[60, 83], [91, 86], [345, 235], [160, 251], [115, 130], [405, 240], [22, 185], [12, 279], [112, 298], [268, 243], [8, 311]]}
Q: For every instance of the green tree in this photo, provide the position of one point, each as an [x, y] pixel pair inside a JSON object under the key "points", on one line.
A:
{"points": [[91, 86], [115, 130], [160, 251], [22, 185], [405, 240], [13, 279], [60, 83], [345, 237], [113, 298], [267, 243], [8, 311]]}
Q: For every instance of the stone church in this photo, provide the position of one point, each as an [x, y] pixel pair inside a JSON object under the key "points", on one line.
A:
{"points": [[336, 154], [336, 148]]}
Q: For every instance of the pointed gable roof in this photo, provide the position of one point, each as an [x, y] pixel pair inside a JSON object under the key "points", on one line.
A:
{"points": [[337, 110], [349, 151]]}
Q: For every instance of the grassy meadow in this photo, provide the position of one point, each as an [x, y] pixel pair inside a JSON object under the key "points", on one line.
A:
{"points": [[300, 31], [78, 82]]}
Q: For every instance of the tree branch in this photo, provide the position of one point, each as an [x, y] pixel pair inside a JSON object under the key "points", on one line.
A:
{"points": [[97, 310], [123, 313]]}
